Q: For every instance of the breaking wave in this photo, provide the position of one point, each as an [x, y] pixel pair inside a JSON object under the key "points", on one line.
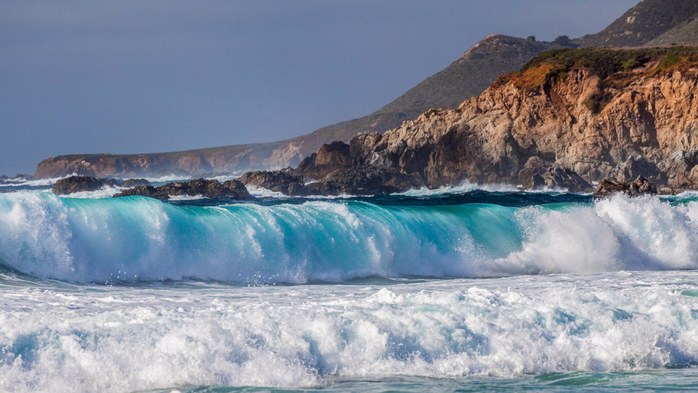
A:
{"points": [[132, 239]]}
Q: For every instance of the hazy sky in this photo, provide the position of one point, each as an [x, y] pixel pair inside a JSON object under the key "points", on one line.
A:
{"points": [[153, 76]]}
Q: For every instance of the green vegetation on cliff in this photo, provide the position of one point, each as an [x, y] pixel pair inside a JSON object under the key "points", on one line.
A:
{"points": [[617, 69]]}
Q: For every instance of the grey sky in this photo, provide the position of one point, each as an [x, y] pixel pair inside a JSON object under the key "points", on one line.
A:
{"points": [[153, 76]]}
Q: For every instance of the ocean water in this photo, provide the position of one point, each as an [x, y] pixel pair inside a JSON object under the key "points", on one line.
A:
{"points": [[460, 289]]}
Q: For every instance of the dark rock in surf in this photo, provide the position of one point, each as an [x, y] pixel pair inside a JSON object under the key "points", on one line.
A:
{"points": [[231, 189], [285, 181], [538, 174], [73, 184], [640, 186]]}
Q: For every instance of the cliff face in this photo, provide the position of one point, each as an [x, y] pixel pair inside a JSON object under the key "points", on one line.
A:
{"points": [[568, 119], [219, 159]]}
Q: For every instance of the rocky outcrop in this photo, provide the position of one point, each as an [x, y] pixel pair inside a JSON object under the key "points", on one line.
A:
{"points": [[640, 186], [231, 189], [284, 181], [568, 119], [73, 184]]}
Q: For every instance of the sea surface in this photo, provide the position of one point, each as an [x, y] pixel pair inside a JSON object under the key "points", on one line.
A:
{"points": [[459, 289]]}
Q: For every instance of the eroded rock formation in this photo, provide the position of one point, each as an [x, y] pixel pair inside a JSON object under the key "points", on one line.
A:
{"points": [[232, 189], [73, 184], [640, 186], [569, 119]]}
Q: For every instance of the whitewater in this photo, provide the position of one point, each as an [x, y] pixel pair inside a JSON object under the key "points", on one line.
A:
{"points": [[461, 289]]}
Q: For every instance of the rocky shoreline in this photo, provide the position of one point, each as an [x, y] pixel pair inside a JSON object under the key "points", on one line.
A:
{"points": [[73, 184], [569, 119], [289, 184], [231, 189]]}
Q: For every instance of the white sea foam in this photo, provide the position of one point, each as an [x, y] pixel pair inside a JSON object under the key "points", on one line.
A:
{"points": [[261, 192], [32, 183], [129, 339], [469, 187], [187, 197]]}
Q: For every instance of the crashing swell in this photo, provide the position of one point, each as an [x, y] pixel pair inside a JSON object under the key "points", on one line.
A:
{"points": [[133, 239]]}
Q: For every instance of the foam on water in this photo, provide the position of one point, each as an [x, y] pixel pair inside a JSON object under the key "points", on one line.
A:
{"points": [[462, 188], [468, 187], [32, 183], [87, 339], [135, 238]]}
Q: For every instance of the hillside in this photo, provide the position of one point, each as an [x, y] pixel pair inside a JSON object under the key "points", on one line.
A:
{"points": [[642, 23], [684, 33], [466, 77], [567, 119]]}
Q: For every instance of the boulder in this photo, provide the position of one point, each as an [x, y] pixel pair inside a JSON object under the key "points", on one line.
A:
{"points": [[640, 186], [232, 189], [634, 167], [284, 181], [352, 182], [74, 184], [538, 174]]}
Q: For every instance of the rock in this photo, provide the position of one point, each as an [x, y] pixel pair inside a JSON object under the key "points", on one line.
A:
{"points": [[352, 182], [285, 181], [129, 183], [640, 166], [75, 184], [538, 174], [540, 127], [640, 186], [232, 189], [148, 191]]}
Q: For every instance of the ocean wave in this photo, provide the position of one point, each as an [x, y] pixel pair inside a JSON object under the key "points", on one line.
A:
{"points": [[136, 238]]}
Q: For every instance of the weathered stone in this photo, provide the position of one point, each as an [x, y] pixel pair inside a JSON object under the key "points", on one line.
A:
{"points": [[75, 184], [640, 186], [284, 181], [232, 189]]}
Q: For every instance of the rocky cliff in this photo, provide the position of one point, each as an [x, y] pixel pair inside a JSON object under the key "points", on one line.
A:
{"points": [[567, 119]]}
